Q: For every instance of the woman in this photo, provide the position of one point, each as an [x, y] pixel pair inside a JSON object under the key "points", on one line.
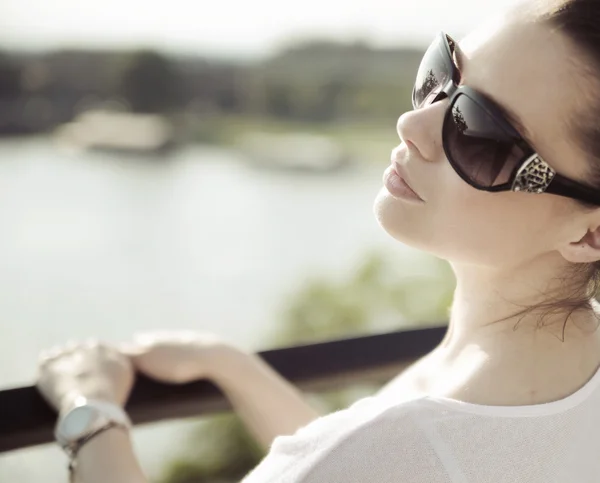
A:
{"points": [[498, 171]]}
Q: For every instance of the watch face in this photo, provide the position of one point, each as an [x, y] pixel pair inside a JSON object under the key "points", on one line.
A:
{"points": [[77, 422]]}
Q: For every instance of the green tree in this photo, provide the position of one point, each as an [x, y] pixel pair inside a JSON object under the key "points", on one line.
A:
{"points": [[150, 83], [279, 100], [10, 78]]}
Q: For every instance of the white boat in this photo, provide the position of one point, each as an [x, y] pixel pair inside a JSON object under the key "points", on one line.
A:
{"points": [[295, 151], [117, 131]]}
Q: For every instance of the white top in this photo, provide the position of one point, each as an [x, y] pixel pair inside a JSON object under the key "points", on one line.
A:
{"points": [[427, 439]]}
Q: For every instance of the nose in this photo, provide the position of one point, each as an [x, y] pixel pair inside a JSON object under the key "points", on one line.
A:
{"points": [[422, 128]]}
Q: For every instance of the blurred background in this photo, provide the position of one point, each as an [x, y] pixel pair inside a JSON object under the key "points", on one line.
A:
{"points": [[207, 166]]}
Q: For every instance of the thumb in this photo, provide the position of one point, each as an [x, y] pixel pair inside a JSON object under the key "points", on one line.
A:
{"points": [[132, 350], [144, 360]]}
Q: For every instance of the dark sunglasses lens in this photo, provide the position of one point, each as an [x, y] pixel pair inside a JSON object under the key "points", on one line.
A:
{"points": [[478, 148], [432, 75]]}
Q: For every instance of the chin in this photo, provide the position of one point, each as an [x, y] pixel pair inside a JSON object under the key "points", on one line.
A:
{"points": [[402, 221]]}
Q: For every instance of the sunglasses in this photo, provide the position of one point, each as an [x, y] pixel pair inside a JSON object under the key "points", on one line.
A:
{"points": [[480, 143]]}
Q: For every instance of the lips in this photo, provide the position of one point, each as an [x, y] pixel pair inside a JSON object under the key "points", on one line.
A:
{"points": [[400, 171]]}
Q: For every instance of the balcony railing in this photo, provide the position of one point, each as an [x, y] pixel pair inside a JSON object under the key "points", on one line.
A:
{"points": [[26, 419]]}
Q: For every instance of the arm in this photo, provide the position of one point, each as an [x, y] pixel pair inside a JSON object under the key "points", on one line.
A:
{"points": [[108, 457], [268, 404], [95, 371]]}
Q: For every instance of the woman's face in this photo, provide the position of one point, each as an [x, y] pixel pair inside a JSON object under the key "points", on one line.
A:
{"points": [[526, 68]]}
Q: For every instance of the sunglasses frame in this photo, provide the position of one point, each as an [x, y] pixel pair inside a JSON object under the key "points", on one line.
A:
{"points": [[532, 174]]}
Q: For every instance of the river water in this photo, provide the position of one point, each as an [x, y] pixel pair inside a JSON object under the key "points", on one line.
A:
{"points": [[94, 245]]}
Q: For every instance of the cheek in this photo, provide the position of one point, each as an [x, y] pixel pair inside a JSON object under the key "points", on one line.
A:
{"points": [[465, 225], [491, 228]]}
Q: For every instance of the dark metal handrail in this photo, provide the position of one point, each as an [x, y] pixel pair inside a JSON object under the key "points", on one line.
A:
{"points": [[27, 420]]}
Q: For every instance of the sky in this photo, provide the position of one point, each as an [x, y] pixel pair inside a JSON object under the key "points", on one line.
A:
{"points": [[240, 28]]}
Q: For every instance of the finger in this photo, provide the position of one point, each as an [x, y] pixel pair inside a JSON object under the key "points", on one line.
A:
{"points": [[153, 336], [131, 350], [147, 336], [54, 352], [43, 356], [49, 354], [71, 345], [91, 343]]}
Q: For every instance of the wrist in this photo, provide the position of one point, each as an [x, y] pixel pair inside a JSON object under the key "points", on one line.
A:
{"points": [[225, 361], [74, 398], [106, 439], [109, 457], [86, 420]]}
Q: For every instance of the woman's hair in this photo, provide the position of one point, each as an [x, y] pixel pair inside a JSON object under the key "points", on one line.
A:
{"points": [[579, 22]]}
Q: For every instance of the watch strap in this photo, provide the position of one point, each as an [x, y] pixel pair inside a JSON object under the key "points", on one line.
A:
{"points": [[74, 449], [108, 416], [105, 412]]}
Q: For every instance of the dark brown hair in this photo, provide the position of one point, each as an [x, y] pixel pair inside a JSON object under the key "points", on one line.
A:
{"points": [[579, 22]]}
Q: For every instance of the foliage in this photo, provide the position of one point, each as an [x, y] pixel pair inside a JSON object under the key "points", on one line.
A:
{"points": [[150, 83], [10, 78], [314, 81], [366, 141], [368, 300], [223, 451]]}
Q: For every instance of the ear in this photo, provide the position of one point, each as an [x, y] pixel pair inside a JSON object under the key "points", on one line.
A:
{"points": [[586, 250]]}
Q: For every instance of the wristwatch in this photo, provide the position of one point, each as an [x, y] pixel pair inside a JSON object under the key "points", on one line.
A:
{"points": [[86, 419]]}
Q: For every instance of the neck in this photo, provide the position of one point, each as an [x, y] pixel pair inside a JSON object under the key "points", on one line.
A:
{"points": [[512, 361], [485, 295]]}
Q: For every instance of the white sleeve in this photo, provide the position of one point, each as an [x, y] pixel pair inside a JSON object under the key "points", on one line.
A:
{"points": [[362, 444]]}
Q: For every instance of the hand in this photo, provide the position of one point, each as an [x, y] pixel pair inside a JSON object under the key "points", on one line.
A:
{"points": [[177, 356], [89, 369]]}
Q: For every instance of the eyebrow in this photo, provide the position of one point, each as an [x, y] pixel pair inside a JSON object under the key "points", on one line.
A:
{"points": [[511, 116]]}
